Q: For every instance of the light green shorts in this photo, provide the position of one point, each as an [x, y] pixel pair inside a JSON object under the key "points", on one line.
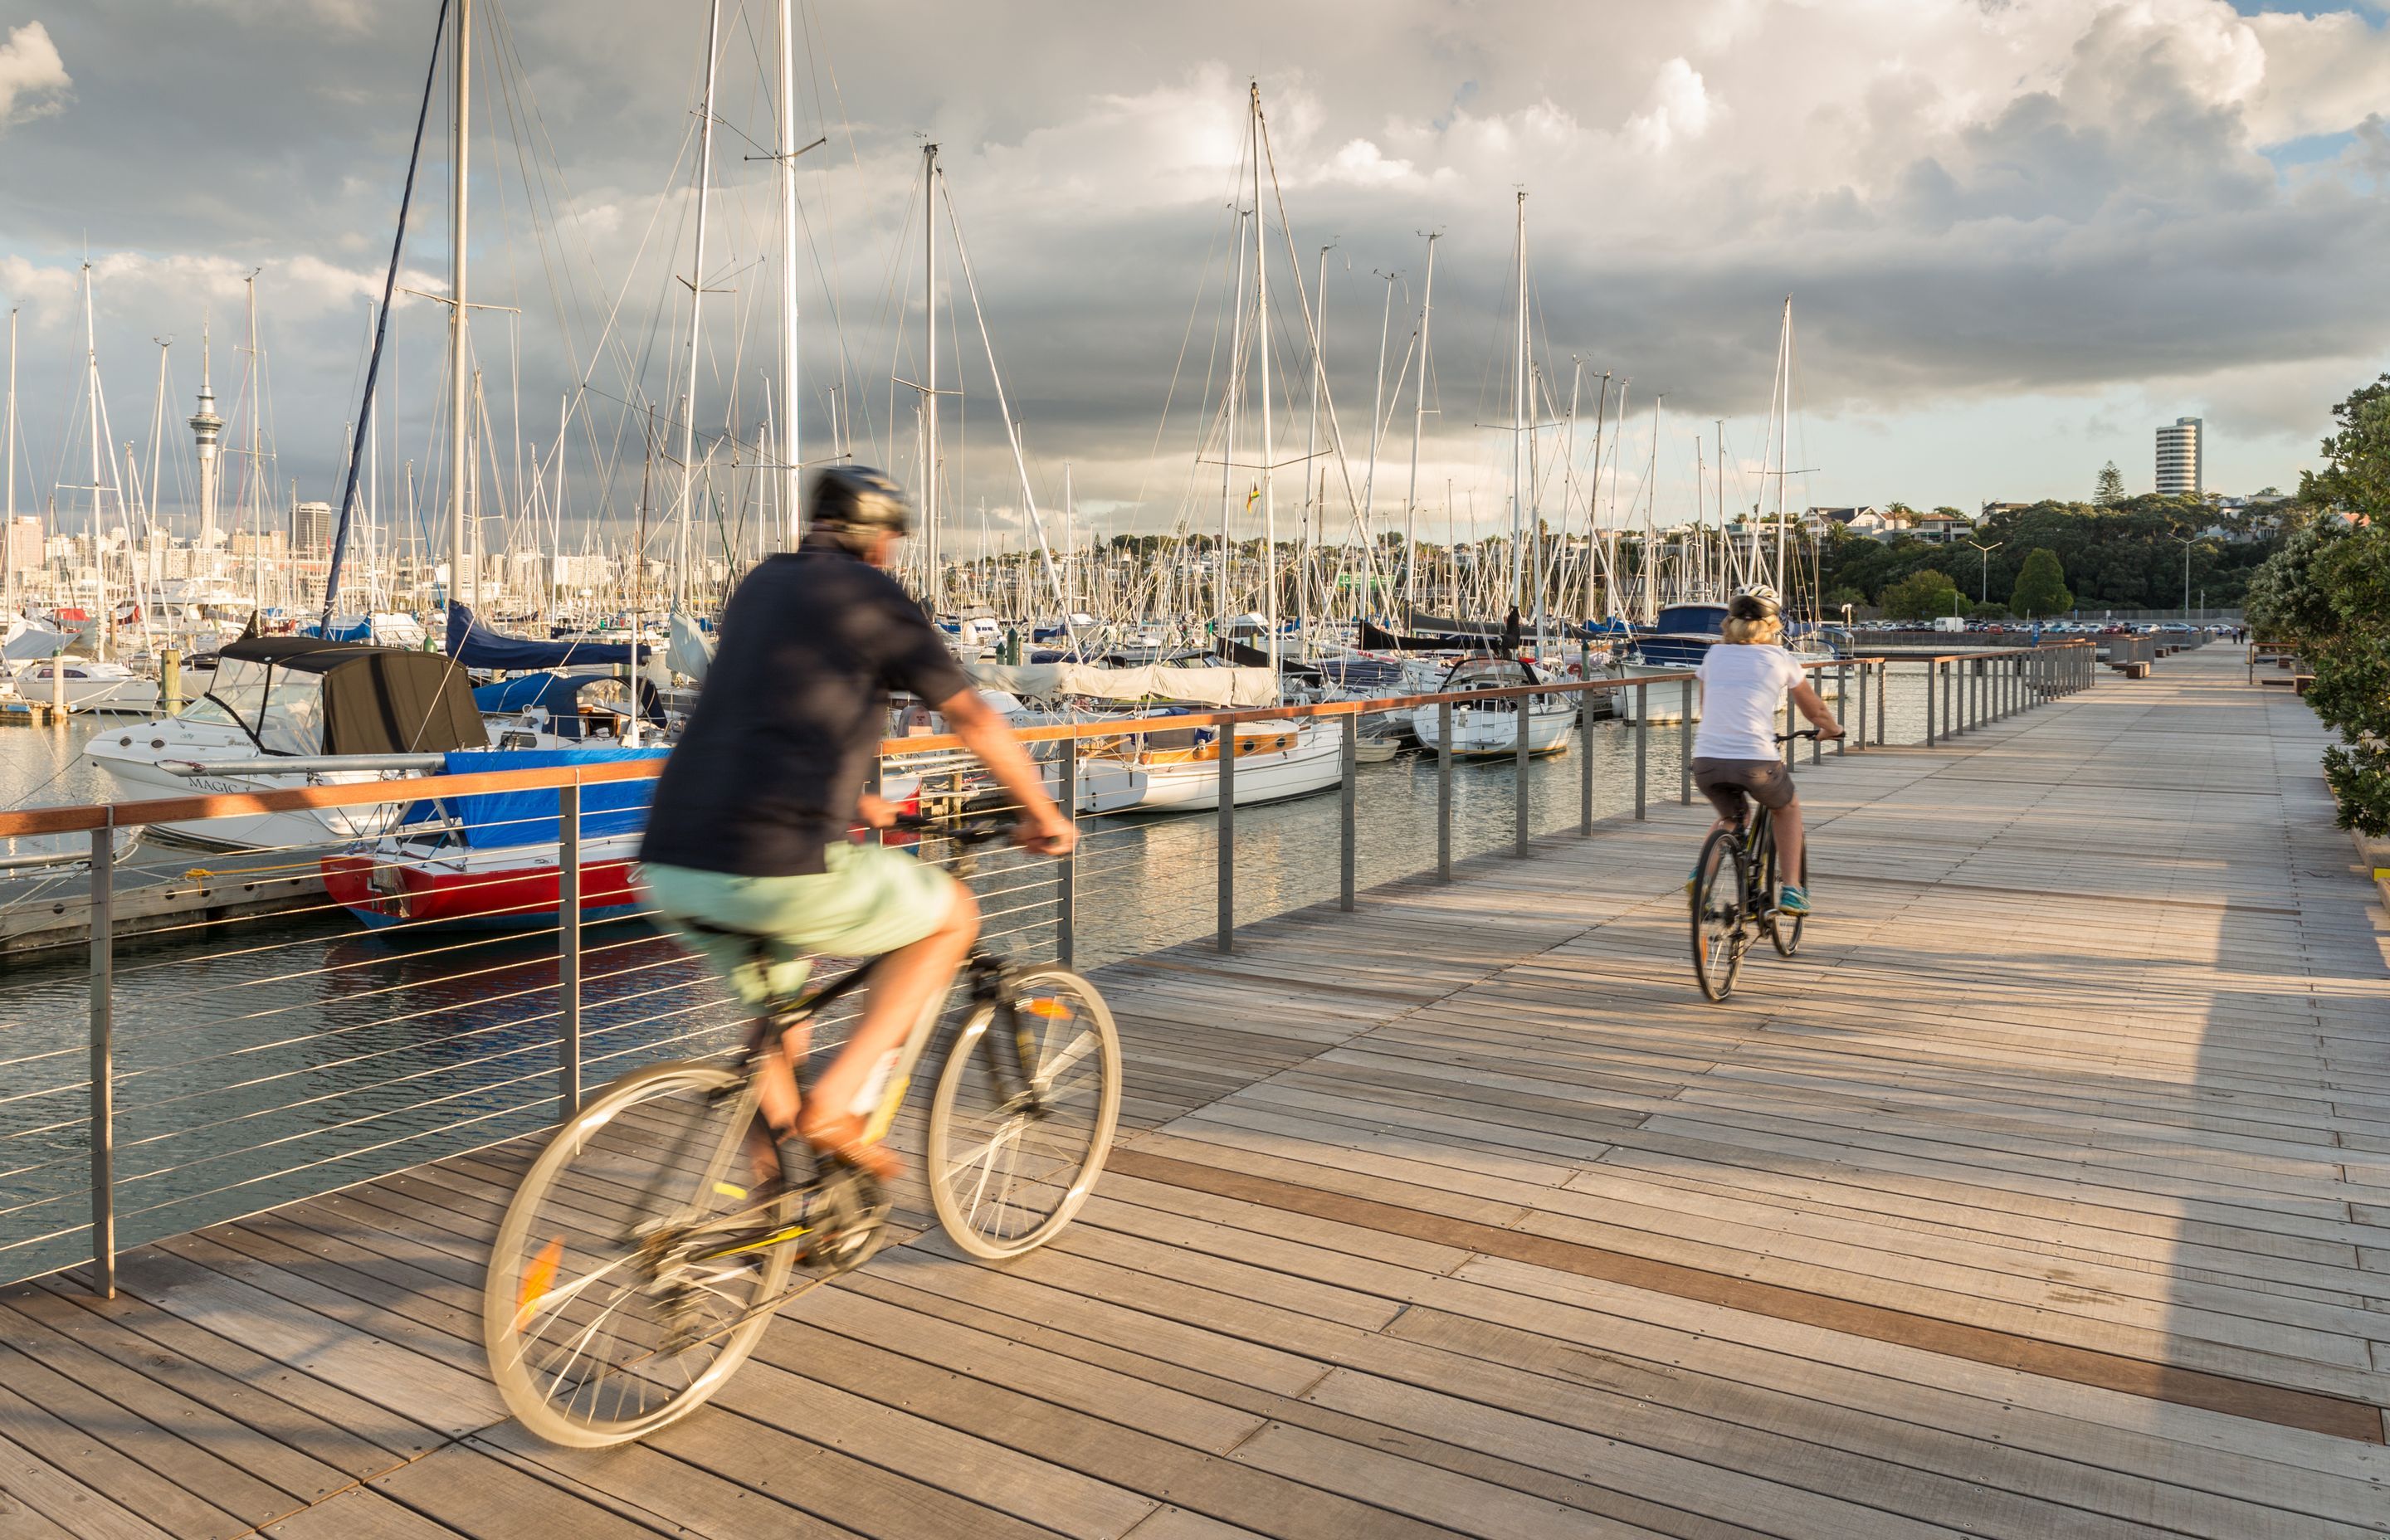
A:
{"points": [[761, 931]]}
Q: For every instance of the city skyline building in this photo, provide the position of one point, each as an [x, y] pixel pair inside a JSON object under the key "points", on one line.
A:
{"points": [[2182, 458]]}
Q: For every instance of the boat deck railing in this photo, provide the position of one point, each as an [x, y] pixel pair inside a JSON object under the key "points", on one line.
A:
{"points": [[232, 1062]]}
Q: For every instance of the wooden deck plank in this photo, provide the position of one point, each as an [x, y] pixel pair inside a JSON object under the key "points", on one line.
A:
{"points": [[2085, 1056]]}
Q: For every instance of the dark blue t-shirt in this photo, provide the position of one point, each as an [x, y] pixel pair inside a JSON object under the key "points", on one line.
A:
{"points": [[774, 759]]}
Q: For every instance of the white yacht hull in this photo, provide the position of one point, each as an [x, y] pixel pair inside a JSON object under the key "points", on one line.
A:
{"points": [[1492, 730], [134, 758], [115, 691], [1314, 763]]}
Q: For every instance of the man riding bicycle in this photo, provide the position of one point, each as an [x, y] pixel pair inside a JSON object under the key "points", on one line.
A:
{"points": [[1742, 680], [747, 847]]}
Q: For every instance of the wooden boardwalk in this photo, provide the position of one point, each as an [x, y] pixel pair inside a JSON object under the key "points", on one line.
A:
{"points": [[2048, 1193]]}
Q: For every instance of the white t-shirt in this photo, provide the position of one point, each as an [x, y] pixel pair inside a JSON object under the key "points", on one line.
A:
{"points": [[1743, 684]]}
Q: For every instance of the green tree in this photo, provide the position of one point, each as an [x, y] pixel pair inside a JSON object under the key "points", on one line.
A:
{"points": [[1838, 597], [2109, 490], [2356, 457], [1991, 610], [1920, 597], [2041, 587]]}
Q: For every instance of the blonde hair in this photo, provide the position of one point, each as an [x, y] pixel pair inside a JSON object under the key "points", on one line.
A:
{"points": [[1763, 630]]}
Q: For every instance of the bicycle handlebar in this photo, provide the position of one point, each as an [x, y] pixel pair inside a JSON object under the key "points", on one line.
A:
{"points": [[1806, 732]]}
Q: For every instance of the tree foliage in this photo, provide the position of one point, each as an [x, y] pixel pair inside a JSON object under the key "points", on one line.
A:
{"points": [[2041, 590], [2327, 593], [2110, 489], [2124, 556], [1920, 595]]}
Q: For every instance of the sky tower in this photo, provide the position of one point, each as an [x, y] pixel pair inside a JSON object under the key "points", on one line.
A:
{"points": [[205, 428]]}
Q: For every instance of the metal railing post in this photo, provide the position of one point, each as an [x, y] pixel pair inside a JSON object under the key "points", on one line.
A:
{"points": [[1228, 782], [1816, 744], [1842, 700], [1444, 790], [1352, 776], [1066, 869], [1860, 725], [103, 1054], [1933, 683], [1584, 697], [1519, 790], [1882, 697], [1642, 742], [568, 964], [1685, 749]]}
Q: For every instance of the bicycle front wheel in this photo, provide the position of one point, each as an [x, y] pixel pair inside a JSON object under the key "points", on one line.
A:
{"points": [[1717, 914], [1023, 1114], [635, 1268]]}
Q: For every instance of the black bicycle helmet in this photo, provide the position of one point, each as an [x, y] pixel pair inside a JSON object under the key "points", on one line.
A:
{"points": [[857, 499]]}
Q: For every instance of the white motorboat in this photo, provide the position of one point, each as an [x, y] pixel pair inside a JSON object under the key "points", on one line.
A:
{"points": [[288, 712], [1275, 760], [88, 684], [1491, 730]]}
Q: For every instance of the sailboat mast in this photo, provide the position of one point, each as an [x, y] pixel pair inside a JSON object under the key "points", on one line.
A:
{"points": [[1311, 452], [9, 530], [1229, 443], [457, 404], [1519, 419], [930, 391], [254, 481], [1418, 425], [91, 386], [696, 312], [792, 459], [1261, 334], [1783, 444]]}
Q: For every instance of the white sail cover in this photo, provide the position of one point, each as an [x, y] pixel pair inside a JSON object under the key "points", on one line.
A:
{"points": [[1220, 687], [691, 652]]}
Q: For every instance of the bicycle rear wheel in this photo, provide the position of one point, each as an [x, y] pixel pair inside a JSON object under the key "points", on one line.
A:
{"points": [[634, 1271], [1019, 1129], [1717, 914]]}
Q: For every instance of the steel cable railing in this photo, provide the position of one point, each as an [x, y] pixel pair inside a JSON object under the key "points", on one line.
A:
{"points": [[231, 1061]]}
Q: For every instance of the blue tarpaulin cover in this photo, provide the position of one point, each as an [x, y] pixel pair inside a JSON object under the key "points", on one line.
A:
{"points": [[495, 818], [476, 645]]}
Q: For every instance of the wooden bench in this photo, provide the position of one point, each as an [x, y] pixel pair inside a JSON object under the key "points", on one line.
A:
{"points": [[2134, 671]]}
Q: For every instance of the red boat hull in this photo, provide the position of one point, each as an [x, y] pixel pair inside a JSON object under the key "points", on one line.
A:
{"points": [[524, 898]]}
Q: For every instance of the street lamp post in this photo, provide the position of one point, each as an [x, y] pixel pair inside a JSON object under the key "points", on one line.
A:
{"points": [[2186, 542], [1984, 593]]}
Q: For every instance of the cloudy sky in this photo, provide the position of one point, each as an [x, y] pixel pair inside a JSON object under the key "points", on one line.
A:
{"points": [[2017, 234]]}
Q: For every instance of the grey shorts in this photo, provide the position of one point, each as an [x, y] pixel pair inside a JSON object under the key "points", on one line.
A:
{"points": [[1726, 781]]}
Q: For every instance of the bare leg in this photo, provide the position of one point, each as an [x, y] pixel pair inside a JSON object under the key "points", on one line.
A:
{"points": [[1788, 842], [775, 1095], [902, 987]]}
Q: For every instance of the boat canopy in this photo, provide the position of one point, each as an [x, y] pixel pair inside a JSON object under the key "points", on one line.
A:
{"points": [[476, 645], [489, 819], [1222, 688], [304, 695]]}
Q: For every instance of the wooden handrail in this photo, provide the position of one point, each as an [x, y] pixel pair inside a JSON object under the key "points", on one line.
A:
{"points": [[84, 817]]}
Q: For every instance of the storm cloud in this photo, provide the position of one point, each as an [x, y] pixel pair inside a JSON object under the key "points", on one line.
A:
{"points": [[2015, 233]]}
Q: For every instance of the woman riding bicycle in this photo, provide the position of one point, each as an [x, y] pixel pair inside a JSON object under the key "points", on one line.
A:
{"points": [[1743, 680]]}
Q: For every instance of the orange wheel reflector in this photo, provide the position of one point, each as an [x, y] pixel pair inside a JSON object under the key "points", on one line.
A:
{"points": [[1050, 1010], [540, 1276]]}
